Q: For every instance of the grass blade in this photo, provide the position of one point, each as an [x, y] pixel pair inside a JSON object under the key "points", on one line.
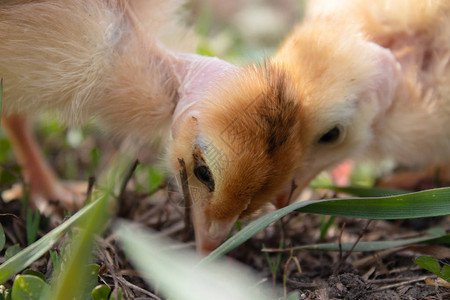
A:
{"points": [[367, 246], [32, 225], [76, 266], [67, 284], [360, 191], [31, 253], [429, 203], [176, 276]]}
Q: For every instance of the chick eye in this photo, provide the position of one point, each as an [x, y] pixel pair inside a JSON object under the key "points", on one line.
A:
{"points": [[202, 172], [331, 135]]}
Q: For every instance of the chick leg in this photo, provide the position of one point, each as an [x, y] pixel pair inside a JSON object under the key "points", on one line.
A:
{"points": [[39, 177]]}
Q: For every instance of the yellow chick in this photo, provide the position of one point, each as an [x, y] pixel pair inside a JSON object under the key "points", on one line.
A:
{"points": [[91, 58], [357, 79]]}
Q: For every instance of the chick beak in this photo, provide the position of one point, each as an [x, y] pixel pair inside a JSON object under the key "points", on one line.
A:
{"points": [[209, 233]]}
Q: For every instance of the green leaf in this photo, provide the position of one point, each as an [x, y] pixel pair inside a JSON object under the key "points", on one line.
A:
{"points": [[10, 252], [101, 292], [431, 264], [2, 238], [422, 204], [28, 287], [34, 273], [428, 263], [445, 273]]}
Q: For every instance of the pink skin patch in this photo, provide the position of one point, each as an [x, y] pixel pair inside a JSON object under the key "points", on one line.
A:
{"points": [[197, 74]]}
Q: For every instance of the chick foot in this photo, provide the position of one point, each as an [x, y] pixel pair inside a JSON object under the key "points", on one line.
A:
{"points": [[45, 191], [65, 196]]}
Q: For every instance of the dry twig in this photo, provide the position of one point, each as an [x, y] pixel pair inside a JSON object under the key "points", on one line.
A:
{"points": [[187, 199]]}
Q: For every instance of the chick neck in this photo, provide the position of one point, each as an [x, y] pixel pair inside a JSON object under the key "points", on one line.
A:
{"points": [[196, 75]]}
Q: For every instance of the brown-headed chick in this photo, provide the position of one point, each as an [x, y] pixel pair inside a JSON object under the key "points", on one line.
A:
{"points": [[356, 79]]}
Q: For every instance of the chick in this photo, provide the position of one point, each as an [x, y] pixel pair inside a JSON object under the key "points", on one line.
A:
{"points": [[364, 80], [361, 80], [85, 59]]}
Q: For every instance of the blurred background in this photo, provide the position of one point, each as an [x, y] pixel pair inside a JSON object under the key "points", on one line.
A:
{"points": [[242, 31]]}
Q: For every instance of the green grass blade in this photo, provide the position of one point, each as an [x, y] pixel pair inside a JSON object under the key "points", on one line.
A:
{"points": [[72, 281], [325, 226], [367, 246], [31, 253], [363, 191], [422, 204], [32, 225], [176, 276], [67, 282], [429, 203]]}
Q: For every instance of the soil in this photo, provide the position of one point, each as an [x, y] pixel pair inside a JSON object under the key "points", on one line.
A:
{"points": [[389, 274]]}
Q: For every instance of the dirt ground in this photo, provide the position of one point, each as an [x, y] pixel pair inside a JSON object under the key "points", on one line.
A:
{"points": [[389, 274]]}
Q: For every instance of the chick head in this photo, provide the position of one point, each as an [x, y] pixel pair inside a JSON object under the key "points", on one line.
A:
{"points": [[239, 147]]}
